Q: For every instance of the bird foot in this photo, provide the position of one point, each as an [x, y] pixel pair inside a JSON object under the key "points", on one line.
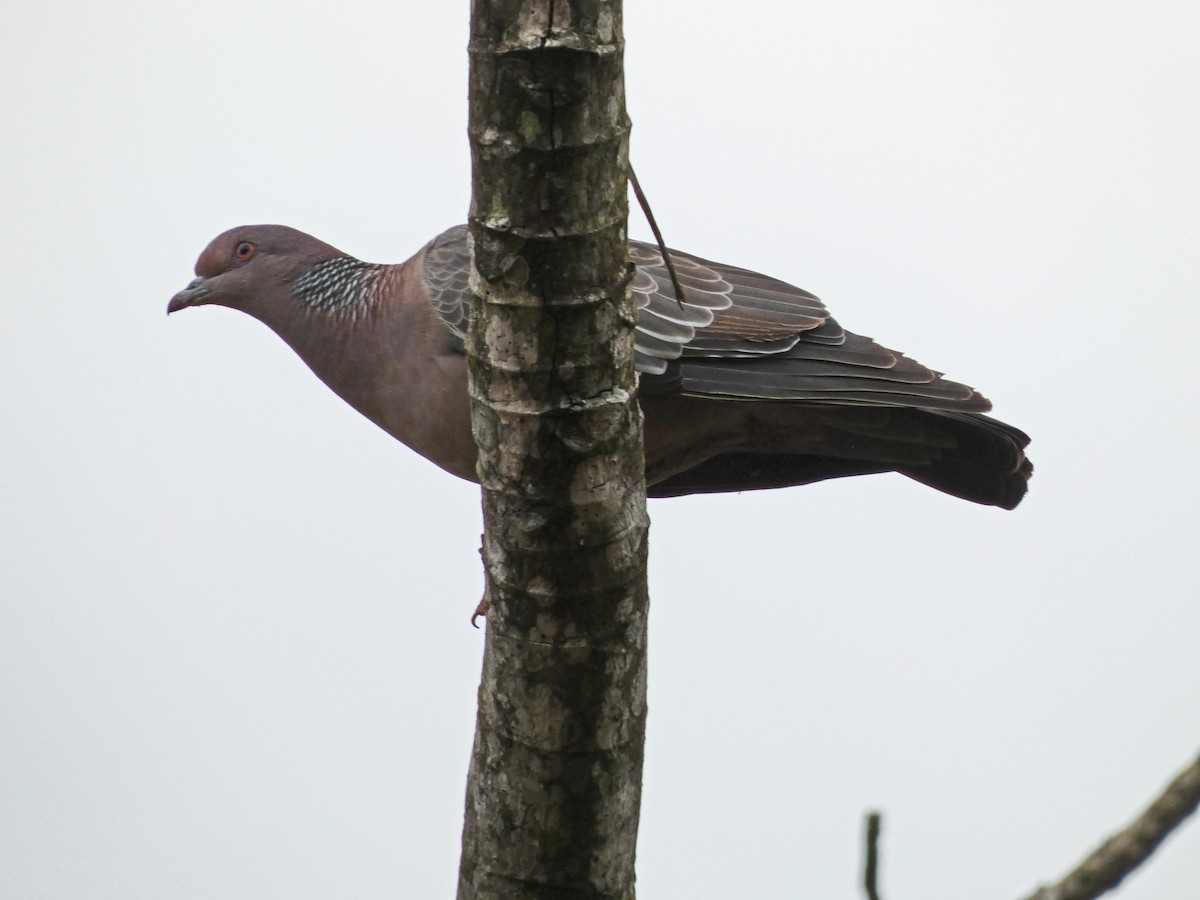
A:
{"points": [[480, 610]]}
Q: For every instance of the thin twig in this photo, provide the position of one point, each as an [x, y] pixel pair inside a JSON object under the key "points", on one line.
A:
{"points": [[871, 869], [680, 297], [1105, 868]]}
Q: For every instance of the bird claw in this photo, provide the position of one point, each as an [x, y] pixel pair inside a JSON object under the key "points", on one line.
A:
{"points": [[480, 610]]}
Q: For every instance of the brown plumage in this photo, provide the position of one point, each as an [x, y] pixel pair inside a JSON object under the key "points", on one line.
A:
{"points": [[751, 384]]}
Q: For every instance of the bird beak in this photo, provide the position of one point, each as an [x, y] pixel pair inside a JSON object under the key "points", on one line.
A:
{"points": [[191, 295]]}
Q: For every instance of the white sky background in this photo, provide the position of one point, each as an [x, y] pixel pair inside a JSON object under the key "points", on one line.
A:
{"points": [[234, 652]]}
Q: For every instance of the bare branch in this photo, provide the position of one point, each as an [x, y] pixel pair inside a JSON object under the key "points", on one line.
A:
{"points": [[554, 790], [1108, 865], [871, 869], [662, 246]]}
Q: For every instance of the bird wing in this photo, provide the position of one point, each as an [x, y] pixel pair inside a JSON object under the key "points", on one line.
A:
{"points": [[738, 334], [446, 266], [774, 341]]}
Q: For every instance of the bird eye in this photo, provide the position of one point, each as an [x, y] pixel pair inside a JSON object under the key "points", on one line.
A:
{"points": [[244, 250]]}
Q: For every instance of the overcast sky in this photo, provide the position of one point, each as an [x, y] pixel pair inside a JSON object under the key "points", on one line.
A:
{"points": [[234, 652]]}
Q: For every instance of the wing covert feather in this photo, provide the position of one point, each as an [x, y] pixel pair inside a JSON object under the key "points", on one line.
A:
{"points": [[739, 334]]}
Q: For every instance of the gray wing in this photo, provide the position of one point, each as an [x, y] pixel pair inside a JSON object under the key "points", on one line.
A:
{"points": [[664, 326], [738, 335], [769, 340], [446, 266]]}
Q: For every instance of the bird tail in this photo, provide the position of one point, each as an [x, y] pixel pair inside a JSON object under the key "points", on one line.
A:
{"points": [[986, 464], [967, 455]]}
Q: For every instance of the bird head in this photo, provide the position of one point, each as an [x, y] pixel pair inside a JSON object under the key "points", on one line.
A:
{"points": [[253, 268]]}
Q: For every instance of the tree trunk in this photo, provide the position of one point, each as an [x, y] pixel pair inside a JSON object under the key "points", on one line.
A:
{"points": [[555, 781]]}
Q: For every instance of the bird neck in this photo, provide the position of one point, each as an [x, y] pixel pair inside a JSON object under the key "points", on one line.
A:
{"points": [[348, 319], [342, 286]]}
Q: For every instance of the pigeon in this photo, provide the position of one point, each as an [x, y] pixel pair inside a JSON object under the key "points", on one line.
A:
{"points": [[745, 383]]}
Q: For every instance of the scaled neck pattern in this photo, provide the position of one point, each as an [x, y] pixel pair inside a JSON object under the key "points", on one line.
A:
{"points": [[343, 286]]}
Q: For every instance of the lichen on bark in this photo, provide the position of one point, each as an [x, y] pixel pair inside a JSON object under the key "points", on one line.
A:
{"points": [[555, 782]]}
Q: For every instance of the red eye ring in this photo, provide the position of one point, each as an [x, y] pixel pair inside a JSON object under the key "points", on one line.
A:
{"points": [[244, 250]]}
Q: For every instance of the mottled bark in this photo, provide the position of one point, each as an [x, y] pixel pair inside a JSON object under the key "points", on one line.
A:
{"points": [[555, 782], [1110, 863]]}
